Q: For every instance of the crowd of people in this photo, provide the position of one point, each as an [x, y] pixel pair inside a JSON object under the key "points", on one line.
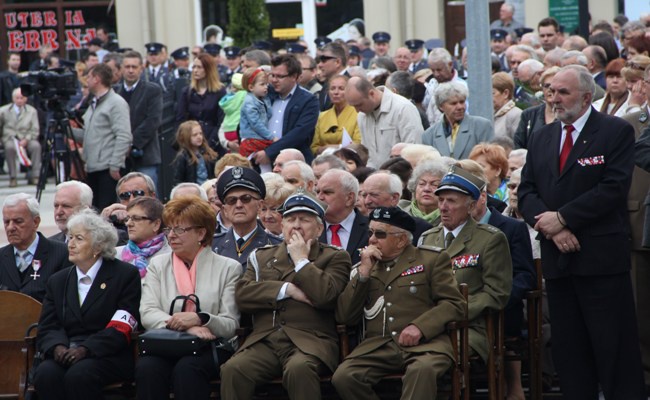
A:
{"points": [[347, 188]]}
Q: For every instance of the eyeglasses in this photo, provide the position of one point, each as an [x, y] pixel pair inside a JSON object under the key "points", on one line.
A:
{"points": [[134, 193], [634, 65], [381, 234], [245, 199], [178, 230], [324, 58], [512, 186], [278, 76], [136, 218]]}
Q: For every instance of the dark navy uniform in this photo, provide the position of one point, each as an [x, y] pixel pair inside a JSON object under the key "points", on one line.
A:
{"points": [[225, 244]]}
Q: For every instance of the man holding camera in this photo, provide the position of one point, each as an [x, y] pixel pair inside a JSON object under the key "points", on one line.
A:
{"points": [[106, 136]]}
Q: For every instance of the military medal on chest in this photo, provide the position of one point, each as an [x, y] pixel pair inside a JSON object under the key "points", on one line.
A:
{"points": [[36, 265]]}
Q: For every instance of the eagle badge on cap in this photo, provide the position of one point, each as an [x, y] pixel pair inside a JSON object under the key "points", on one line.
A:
{"points": [[376, 213], [237, 172]]}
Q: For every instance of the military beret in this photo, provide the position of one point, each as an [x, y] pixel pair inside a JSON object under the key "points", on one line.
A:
{"points": [[240, 177], [322, 41], [154, 47], [414, 44], [498, 34], [303, 202], [381, 37], [393, 216], [522, 31], [262, 45], [232, 51], [354, 50], [212, 48], [95, 42], [182, 53], [296, 48], [459, 180]]}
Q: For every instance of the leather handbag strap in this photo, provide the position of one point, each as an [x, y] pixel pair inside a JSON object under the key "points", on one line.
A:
{"points": [[191, 297]]}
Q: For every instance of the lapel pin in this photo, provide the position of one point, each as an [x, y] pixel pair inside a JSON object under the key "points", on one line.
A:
{"points": [[102, 286]]}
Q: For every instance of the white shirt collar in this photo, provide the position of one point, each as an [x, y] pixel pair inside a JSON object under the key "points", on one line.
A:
{"points": [[456, 231], [246, 236], [579, 123], [92, 272], [31, 248], [347, 223]]}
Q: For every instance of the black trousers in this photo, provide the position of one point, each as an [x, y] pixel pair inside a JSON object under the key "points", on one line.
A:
{"points": [[595, 337], [82, 381], [189, 376], [103, 186]]}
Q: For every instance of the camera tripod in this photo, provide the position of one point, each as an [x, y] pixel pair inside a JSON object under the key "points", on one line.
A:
{"points": [[59, 146]]}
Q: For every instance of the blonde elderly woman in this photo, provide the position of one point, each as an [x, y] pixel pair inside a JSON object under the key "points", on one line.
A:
{"points": [[191, 268], [277, 191], [633, 74], [506, 113], [89, 312], [456, 133], [423, 183], [414, 153]]}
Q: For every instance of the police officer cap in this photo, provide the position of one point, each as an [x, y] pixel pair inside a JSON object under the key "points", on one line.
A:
{"points": [[95, 42], [322, 41], [414, 44], [522, 31], [303, 202], [381, 37], [182, 53], [393, 216], [232, 51], [154, 47], [212, 48], [262, 45], [434, 44], [459, 180], [354, 50], [240, 177], [498, 34], [296, 48]]}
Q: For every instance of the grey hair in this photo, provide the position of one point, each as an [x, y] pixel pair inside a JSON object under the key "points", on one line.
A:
{"points": [[433, 167], [632, 26], [449, 90], [306, 172], [581, 59], [276, 188], [334, 161], [533, 39], [103, 236], [534, 65], [201, 192], [358, 71], [294, 153], [586, 82], [516, 173], [85, 192], [519, 153], [348, 182], [509, 6], [151, 186], [394, 181], [402, 82], [259, 56], [522, 48], [32, 204], [439, 54], [117, 57]]}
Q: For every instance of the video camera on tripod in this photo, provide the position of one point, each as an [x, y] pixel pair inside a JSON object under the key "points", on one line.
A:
{"points": [[51, 90]]}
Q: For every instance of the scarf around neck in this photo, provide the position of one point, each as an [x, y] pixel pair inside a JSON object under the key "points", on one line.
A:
{"points": [[139, 254], [416, 212]]}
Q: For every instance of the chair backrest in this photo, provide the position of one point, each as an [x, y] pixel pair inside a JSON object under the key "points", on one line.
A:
{"points": [[17, 313]]}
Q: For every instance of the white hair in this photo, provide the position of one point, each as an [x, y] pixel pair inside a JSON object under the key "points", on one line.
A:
{"points": [[103, 236], [439, 54], [295, 154], [85, 192], [32, 204], [306, 173], [394, 181], [200, 191], [433, 167], [519, 153], [348, 182]]}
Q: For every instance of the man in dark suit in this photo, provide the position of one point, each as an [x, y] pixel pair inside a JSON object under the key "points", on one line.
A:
{"points": [[383, 189], [30, 259], [70, 197], [574, 192], [345, 226], [294, 112], [241, 190], [145, 102]]}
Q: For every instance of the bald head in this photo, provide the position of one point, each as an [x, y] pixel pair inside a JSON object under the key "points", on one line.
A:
{"points": [[285, 156]]}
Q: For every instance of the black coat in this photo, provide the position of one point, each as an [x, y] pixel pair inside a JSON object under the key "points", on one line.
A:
{"points": [[532, 119], [204, 109], [358, 236], [224, 244], [184, 171], [53, 256]]}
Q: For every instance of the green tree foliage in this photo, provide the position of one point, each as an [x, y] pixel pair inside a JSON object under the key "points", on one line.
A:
{"points": [[249, 21]]}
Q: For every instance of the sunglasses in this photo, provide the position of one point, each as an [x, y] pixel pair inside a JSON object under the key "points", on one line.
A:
{"points": [[136, 218], [245, 199], [381, 234], [134, 193], [324, 58], [178, 230]]}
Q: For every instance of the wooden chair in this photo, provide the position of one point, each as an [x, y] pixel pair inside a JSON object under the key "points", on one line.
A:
{"points": [[491, 374], [17, 312]]}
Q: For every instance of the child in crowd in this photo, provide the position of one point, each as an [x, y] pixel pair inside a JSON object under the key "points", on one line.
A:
{"points": [[231, 105], [195, 159], [255, 114]]}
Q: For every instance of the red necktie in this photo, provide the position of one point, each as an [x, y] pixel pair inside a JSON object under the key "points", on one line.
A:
{"points": [[567, 146], [336, 240]]}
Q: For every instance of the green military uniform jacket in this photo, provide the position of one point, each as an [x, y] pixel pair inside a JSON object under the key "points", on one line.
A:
{"points": [[311, 328], [480, 257], [419, 289]]}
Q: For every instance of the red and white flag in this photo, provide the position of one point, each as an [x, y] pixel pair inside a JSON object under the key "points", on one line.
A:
{"points": [[22, 154]]}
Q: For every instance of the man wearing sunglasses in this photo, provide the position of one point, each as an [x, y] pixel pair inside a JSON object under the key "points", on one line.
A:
{"points": [[405, 296], [332, 61], [241, 191], [291, 289], [479, 253]]}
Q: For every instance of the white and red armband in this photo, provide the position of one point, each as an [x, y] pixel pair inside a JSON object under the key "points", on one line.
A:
{"points": [[124, 322]]}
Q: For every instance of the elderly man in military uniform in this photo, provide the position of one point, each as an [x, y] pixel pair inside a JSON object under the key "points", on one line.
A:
{"points": [[241, 190], [291, 289], [405, 296], [479, 253]]}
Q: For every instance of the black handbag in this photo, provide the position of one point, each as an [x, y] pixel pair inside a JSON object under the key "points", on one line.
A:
{"points": [[169, 343]]}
